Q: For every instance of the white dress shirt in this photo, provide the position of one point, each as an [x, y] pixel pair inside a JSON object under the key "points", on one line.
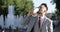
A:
{"points": [[42, 18]]}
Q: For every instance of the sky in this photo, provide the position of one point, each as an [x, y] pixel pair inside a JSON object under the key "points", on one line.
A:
{"points": [[51, 8]]}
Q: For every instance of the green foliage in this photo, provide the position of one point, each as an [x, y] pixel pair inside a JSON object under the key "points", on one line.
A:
{"points": [[3, 7], [57, 2], [53, 16], [22, 6], [0, 7]]}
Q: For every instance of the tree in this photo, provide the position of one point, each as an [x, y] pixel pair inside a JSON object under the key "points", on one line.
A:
{"points": [[22, 6], [53, 16], [57, 2], [1, 3]]}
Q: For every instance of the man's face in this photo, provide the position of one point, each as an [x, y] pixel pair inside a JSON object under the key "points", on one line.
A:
{"points": [[42, 9]]}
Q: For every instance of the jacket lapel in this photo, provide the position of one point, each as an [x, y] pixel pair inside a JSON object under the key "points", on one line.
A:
{"points": [[43, 24]]}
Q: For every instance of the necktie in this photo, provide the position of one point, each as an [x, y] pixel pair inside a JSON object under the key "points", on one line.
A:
{"points": [[39, 22]]}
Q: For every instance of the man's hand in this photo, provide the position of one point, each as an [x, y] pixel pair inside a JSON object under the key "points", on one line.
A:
{"points": [[30, 13]]}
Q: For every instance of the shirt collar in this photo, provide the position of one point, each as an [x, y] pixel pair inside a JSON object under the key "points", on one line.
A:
{"points": [[42, 17]]}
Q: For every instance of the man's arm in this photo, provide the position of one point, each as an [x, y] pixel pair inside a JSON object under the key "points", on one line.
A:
{"points": [[25, 21], [31, 25], [50, 26]]}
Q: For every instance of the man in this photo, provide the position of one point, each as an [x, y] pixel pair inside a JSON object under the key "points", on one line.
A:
{"points": [[40, 23]]}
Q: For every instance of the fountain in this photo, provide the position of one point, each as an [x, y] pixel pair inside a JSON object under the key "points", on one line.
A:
{"points": [[11, 20], [10, 17], [1, 21]]}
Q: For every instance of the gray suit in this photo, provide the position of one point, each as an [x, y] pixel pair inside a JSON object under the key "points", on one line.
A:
{"points": [[47, 25]]}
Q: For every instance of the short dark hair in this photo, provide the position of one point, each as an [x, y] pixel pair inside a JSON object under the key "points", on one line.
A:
{"points": [[44, 5]]}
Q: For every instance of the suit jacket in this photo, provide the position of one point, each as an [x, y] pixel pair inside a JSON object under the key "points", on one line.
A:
{"points": [[47, 25]]}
